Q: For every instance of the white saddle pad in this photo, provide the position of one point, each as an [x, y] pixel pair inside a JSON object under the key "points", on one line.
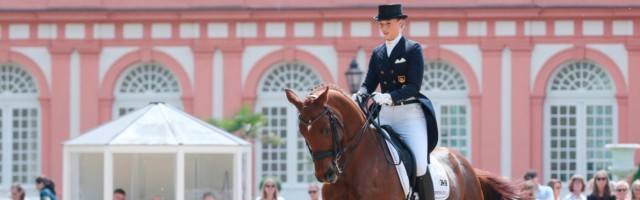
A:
{"points": [[438, 175], [440, 179]]}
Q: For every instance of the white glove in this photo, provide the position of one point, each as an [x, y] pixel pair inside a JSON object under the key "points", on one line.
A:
{"points": [[382, 99], [357, 97]]}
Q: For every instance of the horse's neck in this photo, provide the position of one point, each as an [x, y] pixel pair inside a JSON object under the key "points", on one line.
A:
{"points": [[368, 152]]}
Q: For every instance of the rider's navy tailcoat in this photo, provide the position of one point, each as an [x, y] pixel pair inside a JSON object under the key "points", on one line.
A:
{"points": [[400, 75]]}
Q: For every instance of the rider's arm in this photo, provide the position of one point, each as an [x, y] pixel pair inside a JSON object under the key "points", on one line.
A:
{"points": [[371, 80]]}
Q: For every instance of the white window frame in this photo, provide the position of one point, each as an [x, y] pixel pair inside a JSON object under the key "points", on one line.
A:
{"points": [[139, 100], [580, 98], [442, 98], [581, 101], [7, 104]]}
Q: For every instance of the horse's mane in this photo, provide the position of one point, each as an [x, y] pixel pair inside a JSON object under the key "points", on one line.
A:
{"points": [[320, 88]]}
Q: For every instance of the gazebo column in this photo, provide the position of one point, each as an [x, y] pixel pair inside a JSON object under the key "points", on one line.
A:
{"points": [[108, 175], [66, 174], [180, 174], [247, 171], [237, 175]]}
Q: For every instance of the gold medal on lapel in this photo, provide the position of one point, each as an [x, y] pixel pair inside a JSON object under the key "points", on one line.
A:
{"points": [[401, 79]]}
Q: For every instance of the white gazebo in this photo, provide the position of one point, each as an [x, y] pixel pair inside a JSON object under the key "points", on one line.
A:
{"points": [[157, 150]]}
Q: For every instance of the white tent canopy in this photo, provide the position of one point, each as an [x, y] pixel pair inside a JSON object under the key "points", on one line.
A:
{"points": [[157, 150]]}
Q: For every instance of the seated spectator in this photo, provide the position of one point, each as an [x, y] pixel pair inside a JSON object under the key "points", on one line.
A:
{"points": [[47, 188], [621, 190], [208, 196], [119, 194], [576, 187], [527, 192], [314, 191], [17, 192], [635, 190], [555, 186], [269, 189], [542, 192], [601, 188]]}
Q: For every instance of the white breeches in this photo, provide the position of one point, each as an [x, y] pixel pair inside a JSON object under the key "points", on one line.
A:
{"points": [[409, 121]]}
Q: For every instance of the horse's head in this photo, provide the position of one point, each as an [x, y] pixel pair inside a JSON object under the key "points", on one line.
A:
{"points": [[321, 123]]}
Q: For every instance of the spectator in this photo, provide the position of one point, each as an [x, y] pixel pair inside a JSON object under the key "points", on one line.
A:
{"points": [[119, 194], [46, 188], [621, 190], [576, 187], [17, 192], [314, 191], [208, 196], [556, 186], [635, 190], [601, 189], [528, 190], [542, 192], [269, 189]]}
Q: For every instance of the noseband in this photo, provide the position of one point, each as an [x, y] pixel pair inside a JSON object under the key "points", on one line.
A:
{"points": [[335, 152]]}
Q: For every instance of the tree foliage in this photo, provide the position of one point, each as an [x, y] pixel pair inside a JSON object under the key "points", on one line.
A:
{"points": [[247, 123], [637, 175]]}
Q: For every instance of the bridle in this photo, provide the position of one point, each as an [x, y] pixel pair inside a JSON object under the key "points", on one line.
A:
{"points": [[335, 152]]}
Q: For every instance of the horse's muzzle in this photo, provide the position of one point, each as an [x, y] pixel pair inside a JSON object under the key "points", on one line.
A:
{"points": [[330, 176]]}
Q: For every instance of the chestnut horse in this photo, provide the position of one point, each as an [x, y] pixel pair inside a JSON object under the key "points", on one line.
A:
{"points": [[349, 160]]}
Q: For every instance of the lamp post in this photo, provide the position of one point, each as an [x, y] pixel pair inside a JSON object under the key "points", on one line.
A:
{"points": [[354, 76], [622, 159]]}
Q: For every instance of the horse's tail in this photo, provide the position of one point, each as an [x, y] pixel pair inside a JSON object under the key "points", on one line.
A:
{"points": [[495, 187]]}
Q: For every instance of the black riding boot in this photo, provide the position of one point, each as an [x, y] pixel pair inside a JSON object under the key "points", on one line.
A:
{"points": [[425, 187]]}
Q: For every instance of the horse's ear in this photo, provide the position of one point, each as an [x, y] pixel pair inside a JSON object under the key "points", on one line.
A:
{"points": [[323, 97], [293, 98]]}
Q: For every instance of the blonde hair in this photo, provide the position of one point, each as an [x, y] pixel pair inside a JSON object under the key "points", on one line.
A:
{"points": [[622, 183], [530, 186], [635, 184], [264, 184]]}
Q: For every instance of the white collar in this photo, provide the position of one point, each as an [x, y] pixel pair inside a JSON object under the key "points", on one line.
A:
{"points": [[394, 42]]}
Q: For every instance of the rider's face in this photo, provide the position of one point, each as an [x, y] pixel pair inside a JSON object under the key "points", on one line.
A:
{"points": [[391, 28]]}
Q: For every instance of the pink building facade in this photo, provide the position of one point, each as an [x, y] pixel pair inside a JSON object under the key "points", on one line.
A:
{"points": [[517, 84]]}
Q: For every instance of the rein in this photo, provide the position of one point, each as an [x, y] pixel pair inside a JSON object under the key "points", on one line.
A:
{"points": [[336, 152]]}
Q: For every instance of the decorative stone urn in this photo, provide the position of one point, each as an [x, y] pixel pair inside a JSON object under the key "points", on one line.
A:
{"points": [[622, 160]]}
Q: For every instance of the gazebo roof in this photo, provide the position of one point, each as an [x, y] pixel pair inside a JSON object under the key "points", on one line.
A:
{"points": [[157, 124]]}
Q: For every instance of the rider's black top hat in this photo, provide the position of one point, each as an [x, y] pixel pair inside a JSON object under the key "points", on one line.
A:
{"points": [[386, 12]]}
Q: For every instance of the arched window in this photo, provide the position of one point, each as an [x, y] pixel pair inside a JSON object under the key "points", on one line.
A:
{"points": [[143, 83], [580, 118], [447, 88], [19, 126], [290, 162]]}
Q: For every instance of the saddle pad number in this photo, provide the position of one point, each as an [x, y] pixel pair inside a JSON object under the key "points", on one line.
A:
{"points": [[440, 180]]}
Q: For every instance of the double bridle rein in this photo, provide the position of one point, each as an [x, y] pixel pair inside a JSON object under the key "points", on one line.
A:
{"points": [[335, 152]]}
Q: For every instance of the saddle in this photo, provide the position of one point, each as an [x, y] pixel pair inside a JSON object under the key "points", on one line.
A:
{"points": [[407, 157], [432, 190]]}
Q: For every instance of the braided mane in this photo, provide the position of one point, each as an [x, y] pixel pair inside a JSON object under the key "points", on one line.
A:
{"points": [[320, 88]]}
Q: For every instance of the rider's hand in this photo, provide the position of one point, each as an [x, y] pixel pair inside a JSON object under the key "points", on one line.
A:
{"points": [[357, 97], [382, 99]]}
